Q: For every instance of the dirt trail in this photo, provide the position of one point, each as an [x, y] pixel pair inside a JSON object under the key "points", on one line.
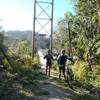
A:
{"points": [[55, 91]]}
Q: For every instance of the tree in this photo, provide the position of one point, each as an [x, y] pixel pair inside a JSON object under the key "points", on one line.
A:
{"points": [[3, 48], [85, 30]]}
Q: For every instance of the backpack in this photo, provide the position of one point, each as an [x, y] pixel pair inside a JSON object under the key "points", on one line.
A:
{"points": [[61, 60]]}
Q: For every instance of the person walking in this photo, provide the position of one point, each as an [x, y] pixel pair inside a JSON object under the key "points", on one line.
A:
{"points": [[49, 59]]}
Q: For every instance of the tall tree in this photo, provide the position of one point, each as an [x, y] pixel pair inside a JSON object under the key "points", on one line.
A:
{"points": [[87, 13]]}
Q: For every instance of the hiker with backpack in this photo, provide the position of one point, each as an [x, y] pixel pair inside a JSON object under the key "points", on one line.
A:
{"points": [[62, 58]]}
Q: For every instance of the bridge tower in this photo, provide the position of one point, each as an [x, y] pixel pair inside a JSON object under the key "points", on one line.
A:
{"points": [[43, 19]]}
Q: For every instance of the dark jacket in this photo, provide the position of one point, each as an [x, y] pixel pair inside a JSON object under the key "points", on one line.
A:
{"points": [[48, 58]]}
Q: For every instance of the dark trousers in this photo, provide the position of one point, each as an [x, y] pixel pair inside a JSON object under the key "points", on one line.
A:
{"points": [[62, 69]]}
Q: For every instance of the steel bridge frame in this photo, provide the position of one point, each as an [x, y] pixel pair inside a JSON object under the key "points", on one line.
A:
{"points": [[38, 18]]}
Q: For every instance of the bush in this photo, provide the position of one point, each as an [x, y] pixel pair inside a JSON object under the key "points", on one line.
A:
{"points": [[55, 65], [80, 70]]}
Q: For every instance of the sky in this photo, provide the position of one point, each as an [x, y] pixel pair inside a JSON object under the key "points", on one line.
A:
{"points": [[18, 14]]}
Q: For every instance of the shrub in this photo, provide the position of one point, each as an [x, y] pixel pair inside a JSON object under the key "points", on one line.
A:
{"points": [[80, 70]]}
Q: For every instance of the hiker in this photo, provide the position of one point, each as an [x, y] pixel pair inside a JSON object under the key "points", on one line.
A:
{"points": [[62, 58], [49, 59]]}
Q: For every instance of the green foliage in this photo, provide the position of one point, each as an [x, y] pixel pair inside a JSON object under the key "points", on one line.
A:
{"points": [[84, 97], [98, 68], [23, 47], [85, 35], [93, 78], [85, 42], [21, 82], [1, 39], [80, 70], [55, 65]]}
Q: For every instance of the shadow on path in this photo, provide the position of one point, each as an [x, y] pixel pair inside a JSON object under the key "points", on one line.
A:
{"points": [[55, 92]]}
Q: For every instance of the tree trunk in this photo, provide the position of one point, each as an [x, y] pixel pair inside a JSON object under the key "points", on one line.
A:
{"points": [[89, 62], [6, 56]]}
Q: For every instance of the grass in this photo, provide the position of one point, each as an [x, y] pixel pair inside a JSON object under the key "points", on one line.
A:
{"points": [[22, 82], [84, 97], [79, 90]]}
